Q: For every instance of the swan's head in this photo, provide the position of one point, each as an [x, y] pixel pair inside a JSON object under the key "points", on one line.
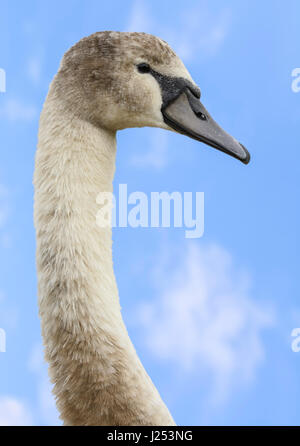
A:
{"points": [[117, 80]]}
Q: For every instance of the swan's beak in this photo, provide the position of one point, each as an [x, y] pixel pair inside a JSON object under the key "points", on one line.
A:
{"points": [[187, 115]]}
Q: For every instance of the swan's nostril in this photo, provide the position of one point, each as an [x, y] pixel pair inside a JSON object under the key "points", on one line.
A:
{"points": [[201, 115]]}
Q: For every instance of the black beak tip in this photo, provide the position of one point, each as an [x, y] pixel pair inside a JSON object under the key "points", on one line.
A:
{"points": [[247, 155]]}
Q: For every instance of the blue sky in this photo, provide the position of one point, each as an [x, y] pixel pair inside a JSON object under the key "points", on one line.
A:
{"points": [[211, 318]]}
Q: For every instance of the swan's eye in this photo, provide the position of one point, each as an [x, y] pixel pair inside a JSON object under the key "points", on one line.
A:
{"points": [[143, 67]]}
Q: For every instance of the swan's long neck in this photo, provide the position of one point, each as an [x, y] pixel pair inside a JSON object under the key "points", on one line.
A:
{"points": [[98, 377]]}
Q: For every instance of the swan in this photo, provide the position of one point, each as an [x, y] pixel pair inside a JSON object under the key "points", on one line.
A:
{"points": [[106, 82]]}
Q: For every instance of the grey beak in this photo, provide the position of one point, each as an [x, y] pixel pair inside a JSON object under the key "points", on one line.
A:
{"points": [[188, 116]]}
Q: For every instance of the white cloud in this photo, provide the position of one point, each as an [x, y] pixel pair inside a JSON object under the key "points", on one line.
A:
{"points": [[156, 155], [5, 238], [205, 321], [139, 19], [46, 408], [35, 64], [4, 209], [34, 69], [203, 33], [13, 110], [196, 33], [9, 316], [14, 412]]}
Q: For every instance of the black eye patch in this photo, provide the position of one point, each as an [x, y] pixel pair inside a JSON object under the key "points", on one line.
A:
{"points": [[171, 87]]}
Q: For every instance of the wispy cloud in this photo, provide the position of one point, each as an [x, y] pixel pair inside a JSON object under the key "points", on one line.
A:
{"points": [[35, 64], [14, 110], [196, 33], [4, 208], [139, 18], [155, 154], [204, 320], [46, 408], [5, 238], [204, 33], [34, 69], [14, 412]]}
